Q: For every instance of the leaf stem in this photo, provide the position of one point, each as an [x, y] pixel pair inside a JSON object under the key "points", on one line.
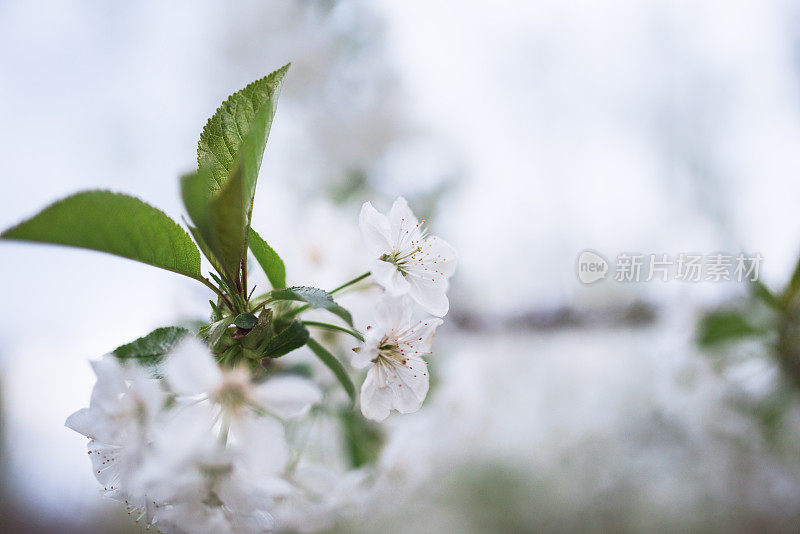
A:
{"points": [[336, 327], [243, 267], [216, 290], [261, 305], [332, 363], [305, 307], [351, 282]]}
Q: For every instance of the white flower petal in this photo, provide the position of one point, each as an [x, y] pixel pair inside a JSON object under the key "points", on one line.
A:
{"points": [[420, 337], [388, 276], [287, 396], [190, 369], [375, 229], [410, 385], [441, 256], [403, 222], [110, 383], [82, 422], [431, 295], [275, 486], [376, 397], [394, 386], [105, 464], [366, 353], [393, 314], [260, 442], [179, 445], [252, 522]]}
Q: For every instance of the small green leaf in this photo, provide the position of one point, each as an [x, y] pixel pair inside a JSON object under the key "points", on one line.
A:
{"points": [[291, 338], [332, 363], [263, 328], [721, 326], [114, 223], [217, 335], [216, 313], [314, 297], [149, 349], [223, 135], [219, 196], [245, 320], [268, 259]]}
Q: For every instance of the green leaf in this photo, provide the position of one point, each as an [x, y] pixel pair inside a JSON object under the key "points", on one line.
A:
{"points": [[363, 438], [114, 223], [721, 326], [245, 320], [268, 259], [332, 363], [149, 349], [292, 337], [205, 249], [260, 332], [314, 297], [223, 216], [794, 283], [220, 221], [216, 313], [335, 328], [763, 293], [216, 334], [300, 369], [219, 196], [224, 133]]}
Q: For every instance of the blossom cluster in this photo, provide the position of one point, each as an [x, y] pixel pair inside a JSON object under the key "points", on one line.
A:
{"points": [[196, 444], [410, 265]]}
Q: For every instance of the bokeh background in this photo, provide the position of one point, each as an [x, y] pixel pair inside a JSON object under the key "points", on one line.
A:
{"points": [[526, 132]]}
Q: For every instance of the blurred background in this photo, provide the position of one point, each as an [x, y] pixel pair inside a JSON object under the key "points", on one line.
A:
{"points": [[525, 132]]}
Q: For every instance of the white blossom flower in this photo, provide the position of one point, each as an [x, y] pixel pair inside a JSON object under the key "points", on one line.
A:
{"points": [[216, 465], [206, 484], [409, 261], [323, 495], [244, 410], [124, 403], [192, 372], [398, 378]]}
